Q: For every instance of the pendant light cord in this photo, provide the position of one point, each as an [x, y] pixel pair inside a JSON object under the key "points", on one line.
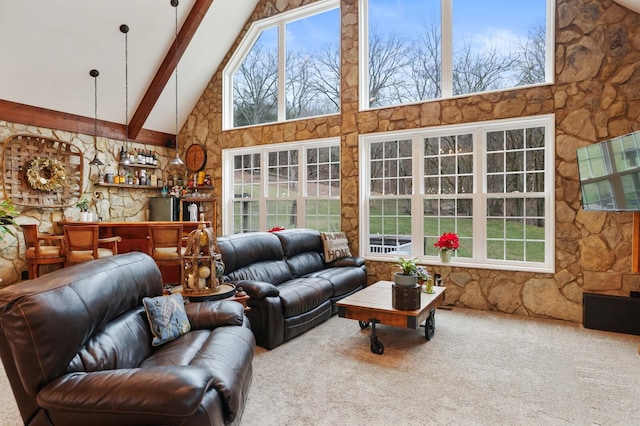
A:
{"points": [[175, 53]]}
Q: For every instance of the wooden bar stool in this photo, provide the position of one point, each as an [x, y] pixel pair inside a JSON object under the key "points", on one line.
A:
{"points": [[83, 244], [41, 249], [166, 246]]}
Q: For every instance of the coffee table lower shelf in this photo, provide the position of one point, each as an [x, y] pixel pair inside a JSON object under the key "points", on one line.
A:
{"points": [[373, 305]]}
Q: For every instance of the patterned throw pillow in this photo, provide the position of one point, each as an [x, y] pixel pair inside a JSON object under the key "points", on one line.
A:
{"points": [[335, 245], [167, 318]]}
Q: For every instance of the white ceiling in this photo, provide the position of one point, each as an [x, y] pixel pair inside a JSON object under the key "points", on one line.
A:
{"points": [[48, 47], [630, 4]]}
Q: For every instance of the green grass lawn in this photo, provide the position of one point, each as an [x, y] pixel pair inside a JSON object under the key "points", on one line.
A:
{"points": [[505, 239]]}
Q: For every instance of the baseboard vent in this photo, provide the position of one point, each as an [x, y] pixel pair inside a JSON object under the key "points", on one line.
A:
{"points": [[611, 313]]}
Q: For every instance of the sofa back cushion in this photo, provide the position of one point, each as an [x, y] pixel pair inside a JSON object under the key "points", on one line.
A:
{"points": [[253, 256], [303, 250], [47, 322], [123, 343]]}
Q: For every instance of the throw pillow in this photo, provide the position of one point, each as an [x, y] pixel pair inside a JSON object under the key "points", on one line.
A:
{"points": [[335, 245], [167, 318]]}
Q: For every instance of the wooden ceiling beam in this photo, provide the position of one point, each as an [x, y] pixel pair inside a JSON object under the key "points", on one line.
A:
{"points": [[41, 117], [175, 52]]}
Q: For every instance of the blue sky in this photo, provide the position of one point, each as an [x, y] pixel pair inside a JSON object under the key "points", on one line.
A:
{"points": [[486, 21]]}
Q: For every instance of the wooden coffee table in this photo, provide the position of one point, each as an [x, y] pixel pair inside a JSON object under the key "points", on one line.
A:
{"points": [[373, 305]]}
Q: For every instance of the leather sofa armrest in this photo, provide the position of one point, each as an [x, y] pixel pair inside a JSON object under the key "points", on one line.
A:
{"points": [[348, 261], [209, 315], [126, 391], [258, 289]]}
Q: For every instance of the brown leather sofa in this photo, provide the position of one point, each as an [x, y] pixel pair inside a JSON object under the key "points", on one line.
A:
{"points": [[291, 287], [76, 347]]}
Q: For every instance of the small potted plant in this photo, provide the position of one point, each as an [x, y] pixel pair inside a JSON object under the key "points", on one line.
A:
{"points": [[408, 276], [83, 205], [446, 244], [8, 213], [405, 294]]}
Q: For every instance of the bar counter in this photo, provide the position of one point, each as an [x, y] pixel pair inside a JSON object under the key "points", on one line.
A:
{"points": [[135, 235]]}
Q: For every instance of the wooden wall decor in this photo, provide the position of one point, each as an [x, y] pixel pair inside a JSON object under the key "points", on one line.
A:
{"points": [[20, 150]]}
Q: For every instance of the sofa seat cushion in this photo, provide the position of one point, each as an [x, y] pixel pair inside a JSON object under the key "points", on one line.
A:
{"points": [[343, 280], [81, 256], [302, 295], [225, 352]]}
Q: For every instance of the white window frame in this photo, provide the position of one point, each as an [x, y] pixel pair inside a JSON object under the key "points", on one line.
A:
{"points": [[244, 47], [447, 53], [264, 150], [479, 196]]}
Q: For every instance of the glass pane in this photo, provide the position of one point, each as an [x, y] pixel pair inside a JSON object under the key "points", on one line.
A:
{"points": [[255, 83], [495, 183], [492, 50], [313, 65], [495, 141], [282, 213], [399, 35], [515, 161], [245, 216], [534, 251], [323, 215], [535, 137], [495, 162], [515, 139], [514, 182]]}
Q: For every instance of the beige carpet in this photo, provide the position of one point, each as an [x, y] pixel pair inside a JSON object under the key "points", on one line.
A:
{"points": [[480, 368]]}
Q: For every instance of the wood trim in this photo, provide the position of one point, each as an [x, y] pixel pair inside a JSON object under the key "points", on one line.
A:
{"points": [[41, 117], [175, 52], [635, 262]]}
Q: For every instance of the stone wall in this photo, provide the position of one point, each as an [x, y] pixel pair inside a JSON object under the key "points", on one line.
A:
{"points": [[115, 203], [595, 97]]}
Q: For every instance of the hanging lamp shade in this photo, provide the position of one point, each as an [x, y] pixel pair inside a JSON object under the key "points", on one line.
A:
{"points": [[96, 161], [176, 161]]}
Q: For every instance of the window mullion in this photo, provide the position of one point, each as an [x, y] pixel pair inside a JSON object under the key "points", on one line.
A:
{"points": [[447, 48], [417, 221], [480, 195], [282, 64], [264, 189]]}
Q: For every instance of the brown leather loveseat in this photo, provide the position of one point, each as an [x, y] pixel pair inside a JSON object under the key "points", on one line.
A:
{"points": [[77, 348]]}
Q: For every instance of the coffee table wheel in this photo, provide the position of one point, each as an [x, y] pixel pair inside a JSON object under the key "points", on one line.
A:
{"points": [[376, 346], [430, 325], [363, 324]]}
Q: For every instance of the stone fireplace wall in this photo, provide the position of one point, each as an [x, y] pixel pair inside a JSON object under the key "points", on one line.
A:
{"points": [[596, 96]]}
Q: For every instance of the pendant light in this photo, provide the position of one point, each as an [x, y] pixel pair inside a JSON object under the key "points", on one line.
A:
{"points": [[95, 161], [125, 160], [176, 162]]}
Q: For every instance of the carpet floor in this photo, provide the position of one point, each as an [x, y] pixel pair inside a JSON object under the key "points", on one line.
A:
{"points": [[480, 368]]}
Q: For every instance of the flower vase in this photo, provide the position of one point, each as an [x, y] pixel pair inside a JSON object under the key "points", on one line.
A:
{"points": [[445, 256], [428, 287]]}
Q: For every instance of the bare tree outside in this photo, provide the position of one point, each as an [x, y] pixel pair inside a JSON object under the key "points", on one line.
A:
{"points": [[401, 70], [424, 74], [531, 57], [255, 88], [388, 56], [481, 71]]}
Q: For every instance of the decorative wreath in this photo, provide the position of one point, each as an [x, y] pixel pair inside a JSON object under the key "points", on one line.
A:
{"points": [[45, 174]]}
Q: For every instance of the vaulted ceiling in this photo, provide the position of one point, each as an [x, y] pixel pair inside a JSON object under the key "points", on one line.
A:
{"points": [[49, 47]]}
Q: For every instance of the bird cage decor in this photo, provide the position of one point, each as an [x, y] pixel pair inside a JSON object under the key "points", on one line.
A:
{"points": [[203, 266]]}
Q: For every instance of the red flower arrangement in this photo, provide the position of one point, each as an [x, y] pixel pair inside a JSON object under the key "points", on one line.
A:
{"points": [[448, 241]]}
